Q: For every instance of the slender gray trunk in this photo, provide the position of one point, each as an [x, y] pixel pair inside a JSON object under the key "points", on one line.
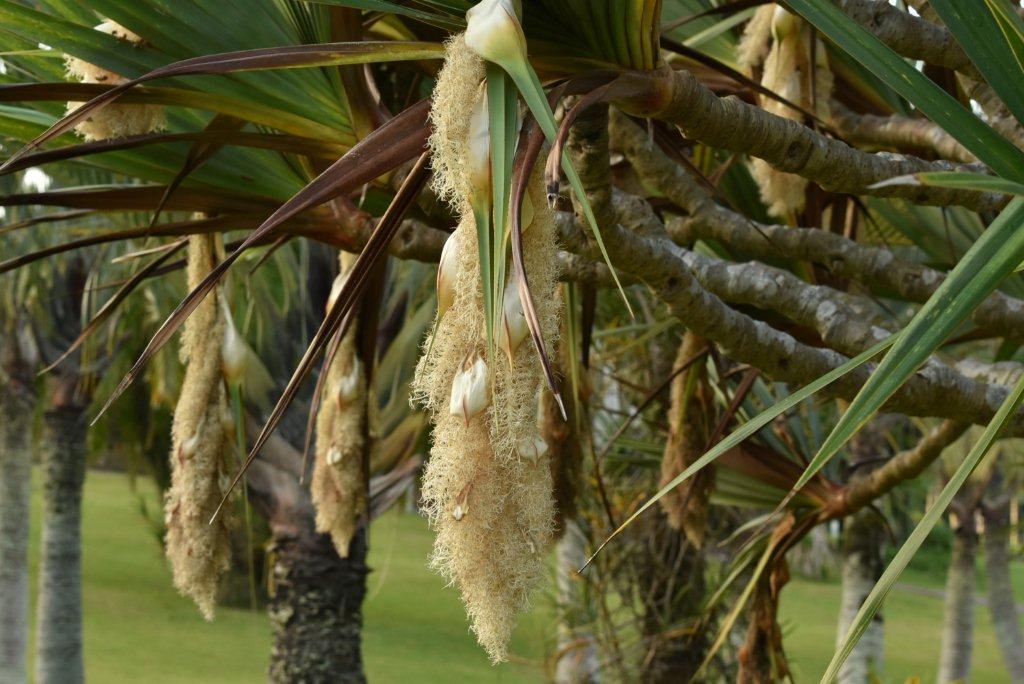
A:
{"points": [[59, 613], [17, 401], [1001, 601], [863, 540], [958, 623], [578, 661]]}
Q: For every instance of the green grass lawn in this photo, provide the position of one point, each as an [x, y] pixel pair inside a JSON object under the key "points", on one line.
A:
{"points": [[138, 629]]}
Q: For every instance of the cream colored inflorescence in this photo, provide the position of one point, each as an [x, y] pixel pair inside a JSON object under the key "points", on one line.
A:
{"points": [[113, 120], [201, 446], [780, 42], [487, 486], [339, 471]]}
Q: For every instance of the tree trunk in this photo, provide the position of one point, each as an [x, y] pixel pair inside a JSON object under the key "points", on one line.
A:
{"points": [[17, 401], [316, 596], [863, 540], [1001, 601], [59, 613], [316, 610], [958, 624]]}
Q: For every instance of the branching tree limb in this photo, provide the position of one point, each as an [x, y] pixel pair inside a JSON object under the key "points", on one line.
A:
{"points": [[875, 268], [728, 123]]}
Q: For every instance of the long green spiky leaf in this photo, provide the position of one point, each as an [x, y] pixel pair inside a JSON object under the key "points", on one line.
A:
{"points": [[899, 563], [503, 115], [988, 46], [530, 88], [985, 143], [957, 180]]}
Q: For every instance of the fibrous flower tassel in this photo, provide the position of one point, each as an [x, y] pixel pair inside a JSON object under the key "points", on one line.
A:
{"points": [[338, 486], [794, 66], [487, 486], [201, 439], [115, 120]]}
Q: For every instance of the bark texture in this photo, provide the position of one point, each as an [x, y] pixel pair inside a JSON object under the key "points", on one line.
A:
{"points": [[59, 612], [16, 408], [316, 596], [316, 609], [958, 621], [670, 581], [863, 541], [1001, 601]]}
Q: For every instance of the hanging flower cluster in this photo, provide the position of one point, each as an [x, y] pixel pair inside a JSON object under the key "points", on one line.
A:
{"points": [[202, 441], [487, 486], [781, 44], [113, 120], [339, 471]]}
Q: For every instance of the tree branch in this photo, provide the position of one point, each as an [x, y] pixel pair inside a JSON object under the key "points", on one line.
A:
{"points": [[876, 268], [729, 123], [904, 466], [897, 132], [935, 390]]}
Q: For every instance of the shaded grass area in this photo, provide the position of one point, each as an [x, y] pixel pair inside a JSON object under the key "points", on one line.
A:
{"points": [[137, 628]]}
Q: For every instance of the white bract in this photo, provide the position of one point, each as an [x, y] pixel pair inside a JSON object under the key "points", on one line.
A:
{"points": [[471, 388], [348, 384], [235, 354], [493, 31], [533, 448], [446, 272], [513, 329], [478, 150]]}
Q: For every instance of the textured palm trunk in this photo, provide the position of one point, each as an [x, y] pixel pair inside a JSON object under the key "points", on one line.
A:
{"points": [[958, 623], [315, 595], [863, 540], [316, 609], [59, 612], [1001, 601], [16, 408]]}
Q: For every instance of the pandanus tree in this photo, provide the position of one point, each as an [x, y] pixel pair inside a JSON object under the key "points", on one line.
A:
{"points": [[866, 252]]}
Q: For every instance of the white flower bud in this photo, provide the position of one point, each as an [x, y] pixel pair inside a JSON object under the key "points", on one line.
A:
{"points": [[333, 456], [235, 354], [188, 448], [533, 448], [461, 507], [446, 272], [493, 31], [513, 329], [348, 384], [471, 392]]}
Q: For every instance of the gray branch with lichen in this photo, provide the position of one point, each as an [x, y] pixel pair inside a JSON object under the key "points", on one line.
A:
{"points": [[728, 123], [999, 314]]}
